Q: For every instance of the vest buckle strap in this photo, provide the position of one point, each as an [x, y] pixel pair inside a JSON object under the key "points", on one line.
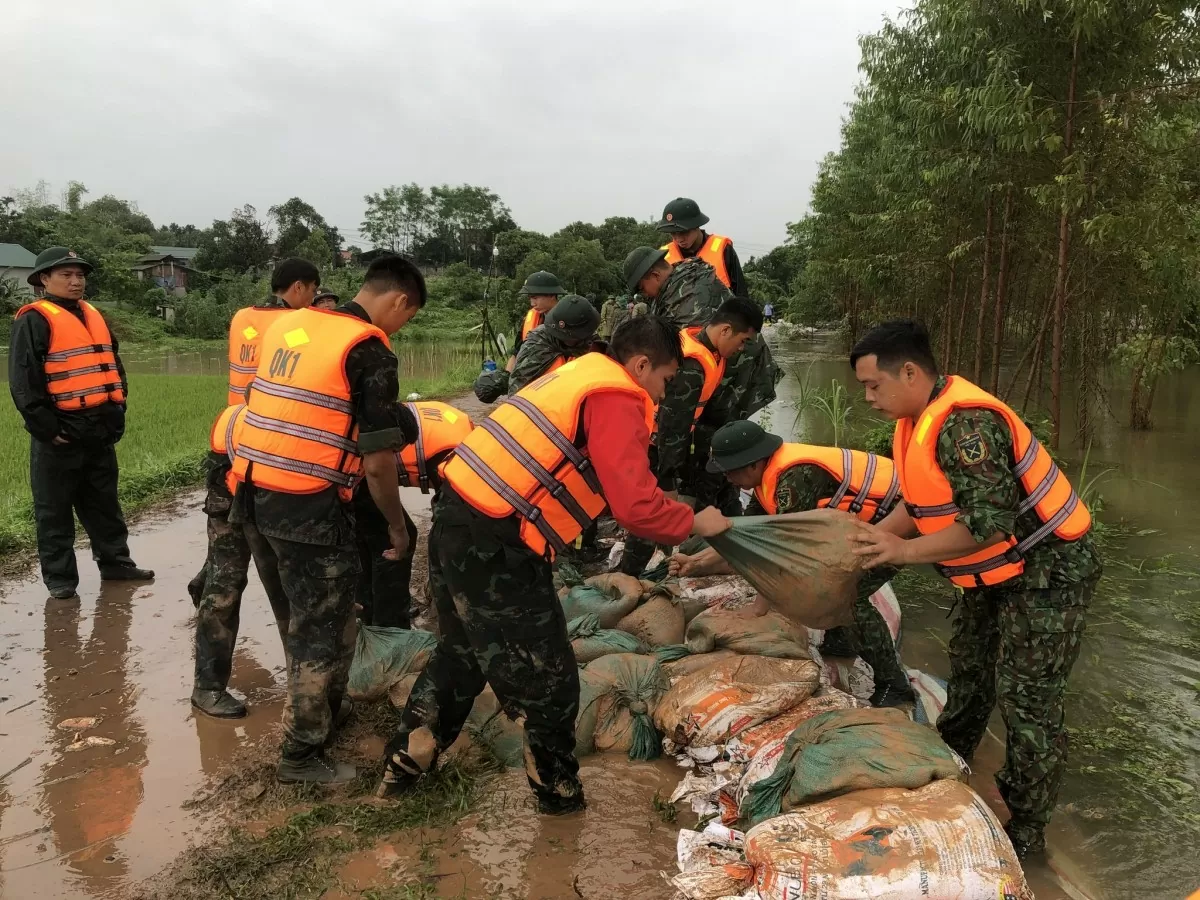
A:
{"points": [[522, 506], [304, 432], [243, 370], [930, 512], [1025, 463], [422, 473], [889, 499], [300, 395], [552, 485], [843, 488], [1039, 493], [333, 476], [560, 440], [860, 499], [229, 427]]}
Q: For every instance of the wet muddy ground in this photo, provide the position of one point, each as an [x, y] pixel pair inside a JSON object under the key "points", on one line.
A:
{"points": [[98, 818]]}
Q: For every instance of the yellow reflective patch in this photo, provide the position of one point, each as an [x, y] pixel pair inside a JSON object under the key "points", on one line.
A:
{"points": [[49, 307], [567, 367], [450, 417], [923, 428], [717, 242], [296, 337], [249, 332]]}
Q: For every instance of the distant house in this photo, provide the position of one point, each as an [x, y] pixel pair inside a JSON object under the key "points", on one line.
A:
{"points": [[167, 267], [16, 263]]}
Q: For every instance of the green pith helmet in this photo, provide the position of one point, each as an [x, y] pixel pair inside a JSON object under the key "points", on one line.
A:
{"points": [[542, 284], [682, 214], [51, 258], [573, 319], [740, 444], [638, 263]]}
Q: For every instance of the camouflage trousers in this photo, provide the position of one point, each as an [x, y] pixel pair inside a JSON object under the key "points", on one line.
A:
{"points": [[315, 616], [383, 585], [1017, 646], [501, 624], [870, 638]]}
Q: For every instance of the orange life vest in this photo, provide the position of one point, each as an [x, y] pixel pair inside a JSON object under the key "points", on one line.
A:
{"points": [[245, 338], [930, 500], [221, 438], [712, 364], [868, 485], [80, 366], [533, 319], [712, 252], [440, 428], [298, 435], [523, 458]]}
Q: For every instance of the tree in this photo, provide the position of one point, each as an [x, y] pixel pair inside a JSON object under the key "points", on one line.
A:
{"points": [[396, 218], [316, 249], [295, 222], [468, 219], [175, 235], [238, 244]]}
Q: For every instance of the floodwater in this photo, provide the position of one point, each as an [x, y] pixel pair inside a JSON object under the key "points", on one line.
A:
{"points": [[90, 821], [1129, 814], [418, 359]]}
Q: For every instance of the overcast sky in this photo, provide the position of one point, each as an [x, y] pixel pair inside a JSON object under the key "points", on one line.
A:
{"points": [[568, 110]]}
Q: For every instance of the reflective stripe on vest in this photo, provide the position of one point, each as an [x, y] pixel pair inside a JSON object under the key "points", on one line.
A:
{"points": [[930, 499], [298, 434], [245, 339], [533, 319], [440, 428], [220, 436], [712, 252], [712, 365], [868, 486], [80, 365], [523, 458]]}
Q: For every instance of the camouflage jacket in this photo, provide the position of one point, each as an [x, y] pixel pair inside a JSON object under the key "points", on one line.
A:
{"points": [[802, 488], [610, 315], [987, 494], [691, 294], [676, 417], [538, 351]]}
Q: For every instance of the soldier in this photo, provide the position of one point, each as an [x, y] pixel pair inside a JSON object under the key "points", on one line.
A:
{"points": [[222, 581], [609, 315], [321, 414], [326, 299], [543, 291], [790, 478], [545, 348], [384, 586], [706, 348], [293, 286], [986, 504], [68, 384], [683, 221], [688, 294], [499, 521]]}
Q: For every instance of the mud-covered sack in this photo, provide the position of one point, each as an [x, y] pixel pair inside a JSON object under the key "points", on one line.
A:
{"points": [[489, 725], [850, 750], [744, 747], [940, 842], [712, 706], [802, 563], [382, 656], [608, 597], [658, 622], [590, 641], [625, 708], [721, 629], [689, 665]]}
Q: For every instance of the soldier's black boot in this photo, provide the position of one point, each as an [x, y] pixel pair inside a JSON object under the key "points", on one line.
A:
{"points": [[63, 593], [893, 694], [837, 642], [317, 769], [401, 771], [125, 573], [1026, 840], [218, 704]]}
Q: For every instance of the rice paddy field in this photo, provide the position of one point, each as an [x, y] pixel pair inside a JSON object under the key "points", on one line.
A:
{"points": [[166, 437]]}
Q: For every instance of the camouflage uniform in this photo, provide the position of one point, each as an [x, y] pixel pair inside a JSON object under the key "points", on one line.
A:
{"points": [[1018, 640], [222, 581], [690, 295], [800, 489], [501, 624], [610, 315], [537, 352]]}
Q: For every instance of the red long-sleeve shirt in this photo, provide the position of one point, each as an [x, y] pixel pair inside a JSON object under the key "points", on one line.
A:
{"points": [[617, 443]]}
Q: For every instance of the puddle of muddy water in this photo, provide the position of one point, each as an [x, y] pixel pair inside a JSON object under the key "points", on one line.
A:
{"points": [[87, 823]]}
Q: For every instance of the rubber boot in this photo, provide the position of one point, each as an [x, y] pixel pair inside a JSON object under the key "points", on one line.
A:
{"points": [[126, 573], [218, 704], [314, 770]]}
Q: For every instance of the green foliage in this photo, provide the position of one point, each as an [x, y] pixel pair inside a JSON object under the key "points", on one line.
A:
{"points": [[297, 225], [238, 244]]}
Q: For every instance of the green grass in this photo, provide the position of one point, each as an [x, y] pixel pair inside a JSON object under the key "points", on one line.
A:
{"points": [[166, 438]]}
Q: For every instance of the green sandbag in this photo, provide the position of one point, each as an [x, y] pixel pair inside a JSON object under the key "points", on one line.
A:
{"points": [[802, 563], [608, 597], [849, 750], [505, 738], [382, 656], [590, 641], [771, 635], [625, 713]]}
